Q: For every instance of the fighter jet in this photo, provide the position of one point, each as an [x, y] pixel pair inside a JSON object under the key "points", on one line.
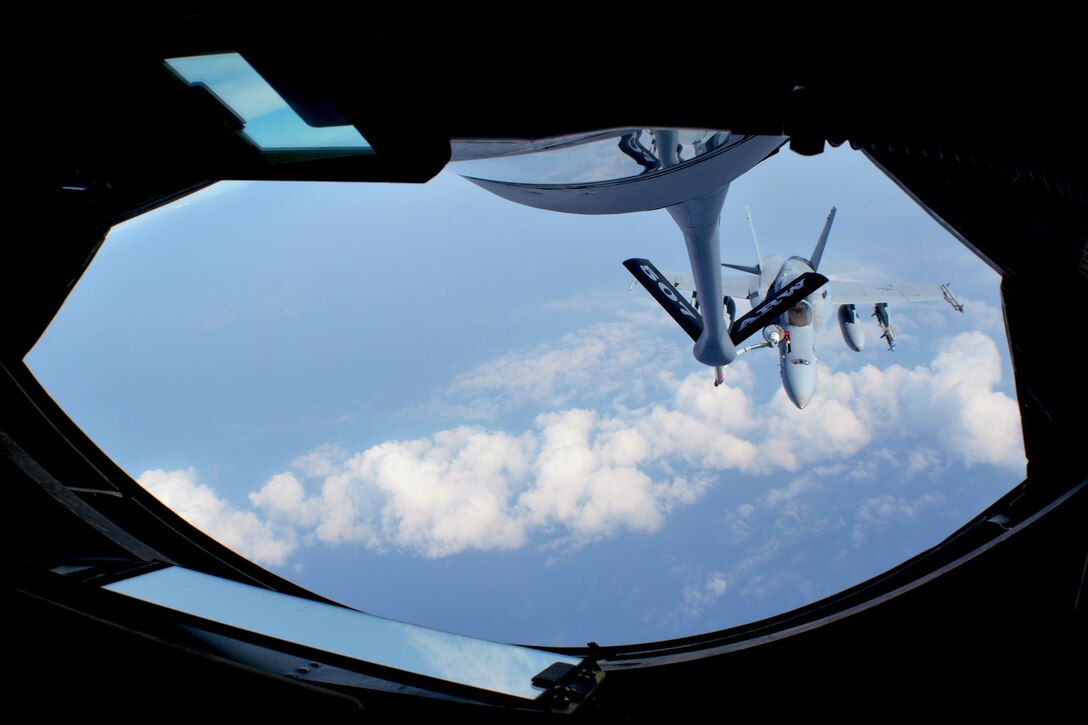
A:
{"points": [[792, 328]]}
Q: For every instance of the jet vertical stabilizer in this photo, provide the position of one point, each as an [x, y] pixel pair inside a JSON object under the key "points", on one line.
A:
{"points": [[818, 252], [755, 239], [758, 270]]}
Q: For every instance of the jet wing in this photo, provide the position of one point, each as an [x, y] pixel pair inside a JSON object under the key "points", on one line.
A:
{"points": [[841, 268], [860, 293], [733, 285]]}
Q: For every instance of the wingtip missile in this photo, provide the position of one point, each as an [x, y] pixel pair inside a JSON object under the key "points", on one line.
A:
{"points": [[947, 292]]}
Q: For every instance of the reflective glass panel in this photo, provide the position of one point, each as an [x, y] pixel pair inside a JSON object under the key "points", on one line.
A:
{"points": [[270, 123], [465, 660]]}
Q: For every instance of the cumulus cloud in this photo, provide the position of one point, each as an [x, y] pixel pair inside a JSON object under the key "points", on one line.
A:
{"points": [[468, 488], [578, 474], [952, 401], [448, 493], [242, 531]]}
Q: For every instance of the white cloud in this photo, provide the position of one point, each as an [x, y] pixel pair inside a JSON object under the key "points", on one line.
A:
{"points": [[795, 488], [322, 461], [449, 493], [984, 316], [830, 428], [922, 460], [242, 531], [608, 359], [696, 597], [976, 314], [886, 508], [579, 474], [738, 522], [952, 401], [587, 476], [880, 512]]}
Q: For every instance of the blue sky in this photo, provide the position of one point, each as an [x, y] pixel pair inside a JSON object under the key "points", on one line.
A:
{"points": [[438, 406]]}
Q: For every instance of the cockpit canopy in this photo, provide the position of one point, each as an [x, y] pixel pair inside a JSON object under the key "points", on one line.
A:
{"points": [[800, 315]]}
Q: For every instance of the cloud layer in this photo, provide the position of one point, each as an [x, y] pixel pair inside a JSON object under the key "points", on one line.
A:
{"points": [[580, 473], [606, 361], [242, 531]]}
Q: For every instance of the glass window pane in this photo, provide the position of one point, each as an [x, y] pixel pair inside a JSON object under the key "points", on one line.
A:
{"points": [[270, 123], [504, 668]]}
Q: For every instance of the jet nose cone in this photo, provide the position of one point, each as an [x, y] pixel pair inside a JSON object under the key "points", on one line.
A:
{"points": [[801, 400], [799, 381]]}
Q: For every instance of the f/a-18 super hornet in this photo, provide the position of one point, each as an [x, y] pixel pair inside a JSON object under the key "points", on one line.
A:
{"points": [[793, 327]]}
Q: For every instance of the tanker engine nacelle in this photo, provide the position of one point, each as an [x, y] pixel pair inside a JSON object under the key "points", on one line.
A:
{"points": [[850, 324]]}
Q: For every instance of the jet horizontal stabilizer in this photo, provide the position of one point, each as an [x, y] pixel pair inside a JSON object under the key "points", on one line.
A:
{"points": [[666, 295], [742, 267], [775, 304]]}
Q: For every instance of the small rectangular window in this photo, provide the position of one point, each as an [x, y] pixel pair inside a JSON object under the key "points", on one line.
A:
{"points": [[270, 123], [493, 666]]}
